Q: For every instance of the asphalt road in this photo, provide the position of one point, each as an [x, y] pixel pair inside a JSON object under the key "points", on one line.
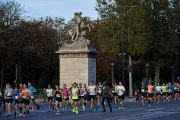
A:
{"points": [[132, 111]]}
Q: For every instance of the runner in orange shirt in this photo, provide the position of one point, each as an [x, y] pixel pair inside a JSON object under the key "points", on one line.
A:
{"points": [[150, 94]]}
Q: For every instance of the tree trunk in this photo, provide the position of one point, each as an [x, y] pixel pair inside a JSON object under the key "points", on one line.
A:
{"points": [[157, 72], [20, 79], [2, 74], [130, 77], [16, 75]]}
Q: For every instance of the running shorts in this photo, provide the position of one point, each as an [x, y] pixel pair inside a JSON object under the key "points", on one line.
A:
{"points": [[122, 97], [158, 93], [50, 98], [16, 102], [26, 102], [169, 94], [144, 94], [150, 95], [114, 94], [92, 96], [59, 99], [66, 99], [75, 99], [9, 101]]}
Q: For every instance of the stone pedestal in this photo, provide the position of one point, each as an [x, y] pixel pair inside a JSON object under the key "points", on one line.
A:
{"points": [[77, 64]]}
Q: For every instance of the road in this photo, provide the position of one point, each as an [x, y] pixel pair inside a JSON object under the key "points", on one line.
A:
{"points": [[132, 111]]}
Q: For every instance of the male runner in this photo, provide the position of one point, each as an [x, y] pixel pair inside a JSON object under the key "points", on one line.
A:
{"points": [[99, 93], [113, 93], [20, 98], [58, 93], [150, 94], [25, 93], [49, 93], [92, 90], [175, 92], [65, 97], [16, 99], [32, 89], [75, 98], [105, 95], [164, 88], [143, 90], [158, 89], [85, 97], [121, 97], [9, 93], [81, 94], [169, 88]]}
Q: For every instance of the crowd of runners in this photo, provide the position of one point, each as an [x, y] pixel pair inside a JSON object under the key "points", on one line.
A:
{"points": [[81, 94]]}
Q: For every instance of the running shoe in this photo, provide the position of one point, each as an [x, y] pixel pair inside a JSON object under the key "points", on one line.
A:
{"points": [[98, 104], [27, 111], [119, 108], [122, 108], [111, 110], [57, 112], [90, 110], [149, 105], [84, 109], [48, 111], [142, 104], [20, 114], [24, 115], [74, 109], [8, 116], [104, 110], [32, 108], [5, 115]]}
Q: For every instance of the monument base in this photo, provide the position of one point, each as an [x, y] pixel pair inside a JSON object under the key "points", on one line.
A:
{"points": [[77, 64]]}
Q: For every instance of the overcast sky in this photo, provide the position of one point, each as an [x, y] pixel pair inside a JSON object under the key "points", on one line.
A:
{"points": [[59, 8]]}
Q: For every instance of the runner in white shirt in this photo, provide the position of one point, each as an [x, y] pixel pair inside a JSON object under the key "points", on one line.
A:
{"points": [[92, 90], [49, 93], [121, 96], [158, 91]]}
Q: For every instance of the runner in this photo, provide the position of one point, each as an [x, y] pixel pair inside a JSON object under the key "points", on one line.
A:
{"points": [[92, 90], [99, 93], [150, 94], [9, 93], [16, 99], [49, 93], [20, 98], [158, 89], [25, 93], [164, 89], [85, 97], [105, 95], [121, 97], [175, 92], [169, 88], [32, 89], [81, 94], [74, 93], [58, 93], [65, 97], [113, 94], [143, 90]]}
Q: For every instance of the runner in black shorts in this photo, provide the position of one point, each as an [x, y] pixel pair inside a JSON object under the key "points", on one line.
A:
{"points": [[99, 93], [58, 93], [49, 93]]}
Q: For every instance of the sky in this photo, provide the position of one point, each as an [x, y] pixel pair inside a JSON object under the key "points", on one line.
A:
{"points": [[59, 8]]}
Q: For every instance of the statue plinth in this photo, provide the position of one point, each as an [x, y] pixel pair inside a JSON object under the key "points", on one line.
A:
{"points": [[77, 64]]}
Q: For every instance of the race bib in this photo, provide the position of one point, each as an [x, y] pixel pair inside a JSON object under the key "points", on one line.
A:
{"points": [[24, 97], [92, 91], [99, 91], [49, 95], [16, 97], [65, 97], [142, 90], [32, 97], [169, 90], [175, 88], [8, 94], [149, 91], [73, 94], [57, 95], [113, 91], [20, 94], [120, 93]]}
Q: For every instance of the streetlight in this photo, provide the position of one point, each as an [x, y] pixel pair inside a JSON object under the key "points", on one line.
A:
{"points": [[147, 67], [172, 67], [112, 65]]}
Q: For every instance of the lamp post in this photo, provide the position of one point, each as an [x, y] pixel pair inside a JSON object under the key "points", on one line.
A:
{"points": [[112, 65], [172, 67], [147, 68]]}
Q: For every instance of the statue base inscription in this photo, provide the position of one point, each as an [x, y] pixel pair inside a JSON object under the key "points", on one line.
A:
{"points": [[77, 64]]}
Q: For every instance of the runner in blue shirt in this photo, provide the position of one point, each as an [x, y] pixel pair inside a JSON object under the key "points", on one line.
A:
{"points": [[16, 99], [32, 89], [169, 88], [175, 91]]}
